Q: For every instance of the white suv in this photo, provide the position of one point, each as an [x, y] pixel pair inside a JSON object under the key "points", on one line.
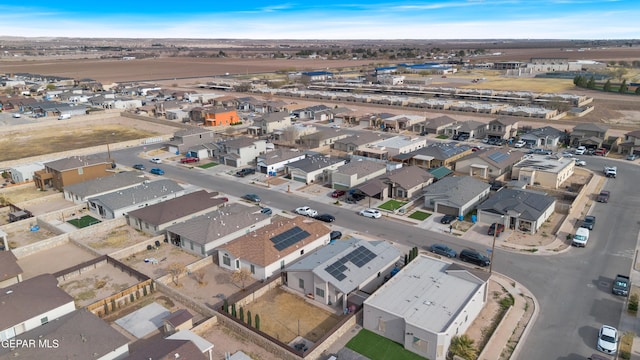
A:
{"points": [[306, 211], [520, 144], [580, 150], [371, 213], [156, 160]]}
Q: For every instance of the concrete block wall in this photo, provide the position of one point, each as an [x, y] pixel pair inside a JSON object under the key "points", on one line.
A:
{"points": [[200, 308], [50, 243], [134, 249], [253, 295]]}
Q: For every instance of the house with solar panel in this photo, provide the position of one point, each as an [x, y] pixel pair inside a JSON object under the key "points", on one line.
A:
{"points": [[426, 304], [546, 171], [333, 272], [524, 210], [268, 250], [489, 163], [434, 155]]}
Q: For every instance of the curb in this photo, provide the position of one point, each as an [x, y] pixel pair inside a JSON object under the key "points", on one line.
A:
{"points": [[530, 323]]}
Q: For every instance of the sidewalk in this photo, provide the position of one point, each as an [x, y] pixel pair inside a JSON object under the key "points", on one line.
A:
{"points": [[630, 322]]}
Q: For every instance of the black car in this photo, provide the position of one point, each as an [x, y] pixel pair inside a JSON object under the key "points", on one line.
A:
{"points": [[244, 172], [139, 167], [588, 222], [474, 257], [443, 250], [326, 217], [335, 235], [447, 219], [252, 197]]}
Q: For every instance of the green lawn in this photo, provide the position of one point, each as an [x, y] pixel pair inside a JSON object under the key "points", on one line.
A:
{"points": [[419, 215], [442, 137], [84, 221], [208, 165], [392, 205], [376, 347]]}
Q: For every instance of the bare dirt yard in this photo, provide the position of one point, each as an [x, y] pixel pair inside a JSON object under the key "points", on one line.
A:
{"points": [[116, 239], [97, 284], [159, 260], [53, 260]]}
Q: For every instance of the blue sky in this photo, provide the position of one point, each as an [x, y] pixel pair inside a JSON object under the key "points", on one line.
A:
{"points": [[325, 19]]}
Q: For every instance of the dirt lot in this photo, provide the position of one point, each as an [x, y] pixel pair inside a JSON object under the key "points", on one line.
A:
{"points": [[116, 239], [53, 260], [97, 284], [165, 255]]}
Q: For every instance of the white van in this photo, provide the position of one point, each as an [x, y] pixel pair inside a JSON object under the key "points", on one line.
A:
{"points": [[64, 116], [581, 237]]}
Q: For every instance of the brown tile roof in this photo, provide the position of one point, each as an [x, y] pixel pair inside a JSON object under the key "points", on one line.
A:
{"points": [[166, 211], [30, 298], [258, 248], [74, 162], [9, 267]]}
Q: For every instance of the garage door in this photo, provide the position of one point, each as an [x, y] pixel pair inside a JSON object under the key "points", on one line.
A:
{"points": [[301, 179], [447, 210]]}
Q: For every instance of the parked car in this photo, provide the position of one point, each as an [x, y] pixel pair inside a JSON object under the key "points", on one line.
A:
{"points": [[621, 285], [157, 171], [187, 160], [600, 152], [16, 115], [632, 157], [607, 339], [156, 160], [337, 193], [252, 197], [266, 211], [306, 211], [244, 172], [580, 150], [335, 235], [474, 257], [496, 229], [139, 167], [588, 222], [325, 217], [580, 162], [370, 213], [603, 197], [447, 219], [520, 144], [443, 250], [567, 154]]}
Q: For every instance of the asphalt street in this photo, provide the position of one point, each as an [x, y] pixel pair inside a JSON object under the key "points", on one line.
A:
{"points": [[573, 288]]}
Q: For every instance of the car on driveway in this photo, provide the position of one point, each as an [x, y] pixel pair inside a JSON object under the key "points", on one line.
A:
{"points": [[580, 150], [156, 171], [447, 219], [588, 222], [337, 193], [443, 250], [187, 160], [156, 160], [325, 217], [252, 197], [496, 229], [266, 211], [607, 339], [520, 144], [139, 167], [632, 157], [371, 213], [244, 172], [306, 211], [335, 235], [474, 257], [600, 152]]}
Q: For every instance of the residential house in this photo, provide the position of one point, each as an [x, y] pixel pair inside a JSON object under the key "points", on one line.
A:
{"points": [[426, 304], [631, 143], [315, 112], [356, 172], [32, 303], [406, 183], [308, 76], [24, 173], [265, 251], [221, 117], [401, 122], [502, 128], [178, 320], [10, 271], [374, 120], [323, 138], [354, 142], [274, 162], [117, 203], [153, 219], [433, 126], [314, 169], [184, 139], [473, 129], [547, 137], [159, 348], [489, 163], [546, 171], [203, 234], [332, 272], [80, 192], [388, 148], [78, 334], [455, 195], [517, 209], [343, 115], [72, 170], [589, 134], [435, 155], [241, 151], [269, 123]]}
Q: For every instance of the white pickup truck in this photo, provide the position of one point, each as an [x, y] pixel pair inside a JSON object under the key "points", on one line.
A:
{"points": [[610, 171]]}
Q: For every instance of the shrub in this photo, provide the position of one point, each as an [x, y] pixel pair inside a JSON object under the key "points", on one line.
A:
{"points": [[633, 303], [257, 322], [507, 302], [241, 314], [131, 297], [233, 310], [225, 306], [249, 318]]}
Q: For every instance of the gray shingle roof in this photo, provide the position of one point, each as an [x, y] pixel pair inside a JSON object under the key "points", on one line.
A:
{"points": [[138, 194], [361, 167], [456, 190], [177, 208], [530, 205], [591, 127], [409, 176], [311, 163], [117, 181], [74, 162], [278, 155], [9, 267], [439, 151]]}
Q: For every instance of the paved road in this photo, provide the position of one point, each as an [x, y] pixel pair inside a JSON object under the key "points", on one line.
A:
{"points": [[573, 288]]}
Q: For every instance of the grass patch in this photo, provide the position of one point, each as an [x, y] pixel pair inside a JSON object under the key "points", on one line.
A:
{"points": [[442, 137], [392, 205], [376, 347], [625, 345], [207, 165], [419, 215], [84, 221]]}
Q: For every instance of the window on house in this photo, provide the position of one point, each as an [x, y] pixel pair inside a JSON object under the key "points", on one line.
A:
{"points": [[301, 283], [44, 320], [253, 269], [381, 325], [320, 293], [419, 344], [237, 263], [226, 260]]}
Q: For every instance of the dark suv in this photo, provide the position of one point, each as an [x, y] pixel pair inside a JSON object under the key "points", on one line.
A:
{"points": [[474, 257], [588, 222], [496, 229], [244, 172]]}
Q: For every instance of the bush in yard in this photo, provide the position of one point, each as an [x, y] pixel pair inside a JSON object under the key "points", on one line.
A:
{"points": [[249, 318], [257, 322], [633, 303], [241, 314]]}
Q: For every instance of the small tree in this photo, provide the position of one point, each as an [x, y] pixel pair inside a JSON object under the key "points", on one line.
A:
{"points": [[225, 306], [199, 276], [249, 318], [623, 87], [607, 86], [233, 310], [176, 269], [257, 322], [113, 304], [463, 347], [591, 84], [241, 314], [241, 277], [131, 298]]}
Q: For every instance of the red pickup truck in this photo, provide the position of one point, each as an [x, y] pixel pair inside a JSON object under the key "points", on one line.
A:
{"points": [[186, 160], [603, 197]]}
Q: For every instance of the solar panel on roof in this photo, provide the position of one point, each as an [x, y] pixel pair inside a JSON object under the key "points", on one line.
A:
{"points": [[288, 238], [358, 257], [498, 156]]}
